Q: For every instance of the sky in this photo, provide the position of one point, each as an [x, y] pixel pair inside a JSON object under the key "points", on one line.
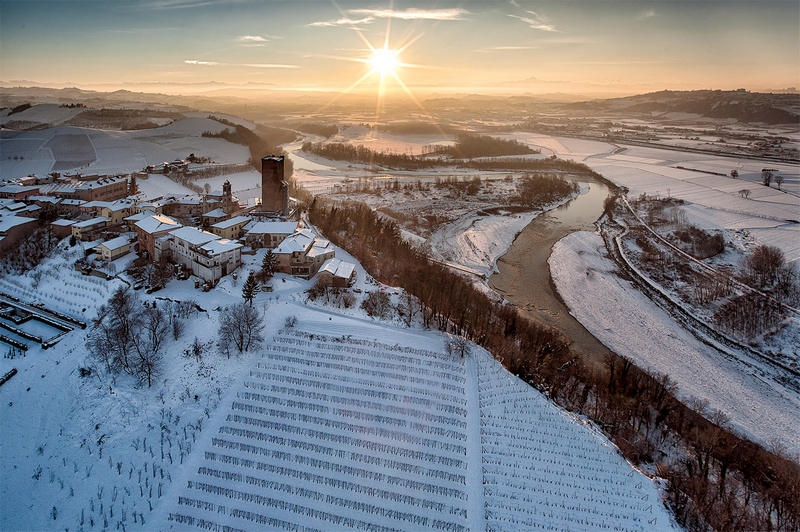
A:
{"points": [[436, 46]]}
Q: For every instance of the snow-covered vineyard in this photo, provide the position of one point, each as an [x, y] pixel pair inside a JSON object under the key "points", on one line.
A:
{"points": [[339, 433]]}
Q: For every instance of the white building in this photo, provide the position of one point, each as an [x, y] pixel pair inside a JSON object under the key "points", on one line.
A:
{"points": [[302, 254], [268, 234], [205, 254]]}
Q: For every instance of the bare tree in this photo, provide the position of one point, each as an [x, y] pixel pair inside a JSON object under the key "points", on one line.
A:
{"points": [[745, 193], [127, 337], [734, 173], [456, 345], [779, 181], [766, 177], [764, 264], [155, 326], [240, 326], [158, 274]]}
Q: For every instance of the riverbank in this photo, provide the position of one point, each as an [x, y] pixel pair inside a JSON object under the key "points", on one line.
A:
{"points": [[634, 327]]}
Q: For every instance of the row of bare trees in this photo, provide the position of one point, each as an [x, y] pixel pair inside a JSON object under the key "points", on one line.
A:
{"points": [[717, 480]]}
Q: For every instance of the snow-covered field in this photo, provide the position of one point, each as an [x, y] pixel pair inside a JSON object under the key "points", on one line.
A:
{"points": [[634, 327], [768, 214], [111, 152]]}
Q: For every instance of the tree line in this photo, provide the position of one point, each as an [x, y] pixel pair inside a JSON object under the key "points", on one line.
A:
{"points": [[467, 146], [470, 145], [716, 479], [259, 143]]}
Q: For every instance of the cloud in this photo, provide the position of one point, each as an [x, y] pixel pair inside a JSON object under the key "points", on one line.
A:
{"points": [[254, 41], [268, 65], [250, 65], [512, 48], [650, 13], [203, 63], [182, 4], [252, 38], [537, 22], [343, 22], [415, 14]]}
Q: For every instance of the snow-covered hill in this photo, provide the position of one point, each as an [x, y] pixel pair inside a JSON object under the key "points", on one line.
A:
{"points": [[338, 422]]}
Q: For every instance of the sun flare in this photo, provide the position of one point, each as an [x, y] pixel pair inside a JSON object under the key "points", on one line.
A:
{"points": [[384, 61]]}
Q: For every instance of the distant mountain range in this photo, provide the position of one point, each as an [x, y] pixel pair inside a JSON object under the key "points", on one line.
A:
{"points": [[738, 105]]}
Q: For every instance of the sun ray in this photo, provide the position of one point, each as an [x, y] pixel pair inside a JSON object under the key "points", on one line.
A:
{"points": [[384, 62]]}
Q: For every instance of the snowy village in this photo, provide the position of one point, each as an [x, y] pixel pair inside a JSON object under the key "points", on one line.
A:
{"points": [[245, 307]]}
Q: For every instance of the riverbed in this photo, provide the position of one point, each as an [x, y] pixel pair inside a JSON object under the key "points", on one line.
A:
{"points": [[523, 277]]}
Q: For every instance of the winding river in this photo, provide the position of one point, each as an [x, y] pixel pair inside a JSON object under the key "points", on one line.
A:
{"points": [[524, 275]]}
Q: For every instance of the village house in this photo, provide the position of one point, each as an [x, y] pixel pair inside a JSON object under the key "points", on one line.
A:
{"points": [[114, 248], [205, 254], [14, 229], [190, 205], [83, 229], [302, 254], [117, 211], [232, 229], [214, 217], [150, 228], [268, 234], [18, 192], [62, 227], [70, 206], [105, 189], [337, 273]]}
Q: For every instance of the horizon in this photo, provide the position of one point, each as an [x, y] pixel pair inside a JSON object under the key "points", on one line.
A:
{"points": [[401, 49]]}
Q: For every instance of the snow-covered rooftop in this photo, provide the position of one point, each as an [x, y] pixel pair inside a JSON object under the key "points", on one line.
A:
{"points": [[236, 220], [193, 236], [157, 223], [116, 243], [216, 213], [216, 247], [7, 221], [300, 241], [98, 220], [338, 268], [266, 228]]}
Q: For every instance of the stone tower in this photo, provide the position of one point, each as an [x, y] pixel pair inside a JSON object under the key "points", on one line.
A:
{"points": [[274, 188]]}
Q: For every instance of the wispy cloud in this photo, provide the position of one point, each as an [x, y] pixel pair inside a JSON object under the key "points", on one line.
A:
{"points": [[512, 48], [182, 4], [254, 40], [650, 13], [203, 63], [250, 65], [368, 16], [536, 22], [415, 14], [344, 21]]}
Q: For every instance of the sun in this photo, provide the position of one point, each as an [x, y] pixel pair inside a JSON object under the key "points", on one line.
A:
{"points": [[384, 61]]}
